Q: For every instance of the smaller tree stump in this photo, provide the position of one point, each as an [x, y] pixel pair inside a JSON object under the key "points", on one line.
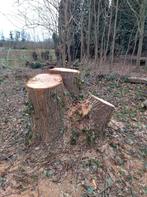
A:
{"points": [[46, 95], [100, 114], [71, 79], [92, 115]]}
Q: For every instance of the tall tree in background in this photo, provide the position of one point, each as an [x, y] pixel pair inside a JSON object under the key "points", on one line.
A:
{"points": [[94, 25], [89, 27], [115, 5], [138, 9], [69, 28], [99, 29]]}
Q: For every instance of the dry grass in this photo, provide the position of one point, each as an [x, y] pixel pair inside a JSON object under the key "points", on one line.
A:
{"points": [[119, 67], [17, 58]]}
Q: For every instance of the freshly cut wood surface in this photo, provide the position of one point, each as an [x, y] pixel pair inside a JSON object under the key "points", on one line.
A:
{"points": [[43, 81], [66, 70], [102, 101]]}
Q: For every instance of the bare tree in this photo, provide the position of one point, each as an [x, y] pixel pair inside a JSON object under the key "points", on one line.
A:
{"points": [[96, 26], [108, 33], [40, 13], [115, 30], [89, 29], [140, 18]]}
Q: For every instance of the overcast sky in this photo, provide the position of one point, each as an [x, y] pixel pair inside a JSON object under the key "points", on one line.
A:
{"points": [[8, 17], [11, 21]]}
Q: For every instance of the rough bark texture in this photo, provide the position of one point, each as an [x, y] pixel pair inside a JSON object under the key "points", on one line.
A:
{"points": [[99, 114], [115, 31], [89, 30], [46, 95], [71, 79], [141, 24], [92, 116]]}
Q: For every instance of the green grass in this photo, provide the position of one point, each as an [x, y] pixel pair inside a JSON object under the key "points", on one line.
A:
{"points": [[18, 58]]}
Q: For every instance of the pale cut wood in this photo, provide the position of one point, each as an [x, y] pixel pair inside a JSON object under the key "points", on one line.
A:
{"points": [[44, 81], [71, 79], [46, 95], [137, 80]]}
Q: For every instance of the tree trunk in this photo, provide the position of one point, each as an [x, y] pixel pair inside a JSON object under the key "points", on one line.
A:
{"points": [[108, 36], [141, 30], [96, 30], [71, 79], [128, 48], [46, 95], [114, 33], [82, 36], [103, 41], [134, 48], [89, 31], [139, 52]]}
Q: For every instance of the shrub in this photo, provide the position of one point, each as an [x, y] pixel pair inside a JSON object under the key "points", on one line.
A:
{"points": [[36, 65]]}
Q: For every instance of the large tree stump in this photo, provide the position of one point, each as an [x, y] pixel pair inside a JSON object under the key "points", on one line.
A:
{"points": [[46, 95], [71, 79]]}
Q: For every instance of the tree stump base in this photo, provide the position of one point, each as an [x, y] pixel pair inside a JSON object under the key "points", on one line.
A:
{"points": [[46, 95]]}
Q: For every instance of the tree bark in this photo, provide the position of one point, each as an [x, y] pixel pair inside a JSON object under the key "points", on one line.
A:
{"points": [[89, 31], [92, 115], [141, 34], [108, 36], [45, 92], [82, 36], [114, 33], [140, 16], [103, 41], [99, 114], [96, 25], [134, 48]]}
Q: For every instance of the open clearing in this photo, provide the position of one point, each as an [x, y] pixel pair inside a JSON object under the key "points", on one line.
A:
{"points": [[116, 165]]}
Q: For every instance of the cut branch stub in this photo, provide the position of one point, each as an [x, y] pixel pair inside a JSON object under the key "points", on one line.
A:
{"points": [[71, 79], [46, 94]]}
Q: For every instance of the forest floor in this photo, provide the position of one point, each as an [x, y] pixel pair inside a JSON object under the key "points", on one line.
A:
{"points": [[113, 167]]}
